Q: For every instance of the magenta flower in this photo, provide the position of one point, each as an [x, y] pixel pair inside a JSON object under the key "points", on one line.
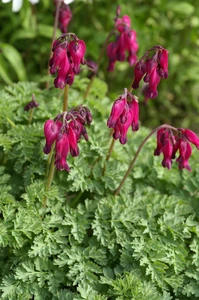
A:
{"points": [[125, 42], [68, 54], [169, 143], [66, 134], [163, 63], [117, 110], [185, 151], [167, 151], [190, 136], [151, 69], [65, 16], [154, 79], [51, 130], [62, 149], [124, 113], [72, 137], [77, 51]]}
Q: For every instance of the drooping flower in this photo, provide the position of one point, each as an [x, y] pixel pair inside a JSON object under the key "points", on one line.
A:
{"points": [[61, 152], [124, 113], [51, 130], [125, 42], [68, 54], [66, 131], [65, 16], [33, 103], [151, 69], [169, 143]]}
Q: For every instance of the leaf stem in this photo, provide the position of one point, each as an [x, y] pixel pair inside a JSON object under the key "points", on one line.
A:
{"points": [[65, 104], [137, 153], [75, 201]]}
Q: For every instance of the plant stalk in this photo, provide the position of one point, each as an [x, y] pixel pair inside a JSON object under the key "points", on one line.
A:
{"points": [[50, 178], [30, 116], [65, 103], [137, 153]]}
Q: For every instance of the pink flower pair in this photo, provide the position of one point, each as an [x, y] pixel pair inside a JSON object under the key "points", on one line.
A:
{"points": [[169, 144], [68, 55], [66, 134], [125, 42], [124, 113], [151, 69]]}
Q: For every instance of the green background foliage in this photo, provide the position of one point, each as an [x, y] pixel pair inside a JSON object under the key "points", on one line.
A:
{"points": [[170, 24], [88, 244]]}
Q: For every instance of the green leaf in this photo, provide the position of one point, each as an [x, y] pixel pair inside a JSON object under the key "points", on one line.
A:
{"points": [[14, 58]]}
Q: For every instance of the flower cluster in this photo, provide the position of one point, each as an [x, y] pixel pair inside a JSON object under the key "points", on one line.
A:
{"points": [[65, 16], [68, 54], [168, 143], [124, 113], [152, 69], [125, 42], [66, 131]]}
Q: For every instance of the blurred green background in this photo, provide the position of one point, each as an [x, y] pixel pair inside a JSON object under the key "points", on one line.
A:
{"points": [[25, 40]]}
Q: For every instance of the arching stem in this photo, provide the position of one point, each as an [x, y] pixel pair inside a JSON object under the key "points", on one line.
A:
{"points": [[137, 153]]}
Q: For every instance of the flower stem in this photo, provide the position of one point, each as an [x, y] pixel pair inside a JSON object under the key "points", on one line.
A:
{"points": [[65, 104], [30, 116], [137, 153], [50, 178], [109, 154], [58, 3]]}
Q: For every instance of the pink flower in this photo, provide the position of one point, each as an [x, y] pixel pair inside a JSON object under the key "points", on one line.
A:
{"points": [[190, 136], [65, 16], [154, 79], [62, 149], [66, 134], [72, 138], [169, 144], [77, 50], [163, 63], [135, 110], [51, 130], [167, 151], [116, 111], [68, 55], [112, 55], [125, 42], [185, 153], [124, 128], [151, 69], [124, 113], [122, 23], [139, 71]]}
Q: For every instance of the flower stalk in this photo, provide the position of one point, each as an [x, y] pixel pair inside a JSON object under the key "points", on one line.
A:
{"points": [[65, 103], [137, 153]]}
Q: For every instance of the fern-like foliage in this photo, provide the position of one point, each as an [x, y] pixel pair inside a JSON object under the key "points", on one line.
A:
{"points": [[87, 243]]}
